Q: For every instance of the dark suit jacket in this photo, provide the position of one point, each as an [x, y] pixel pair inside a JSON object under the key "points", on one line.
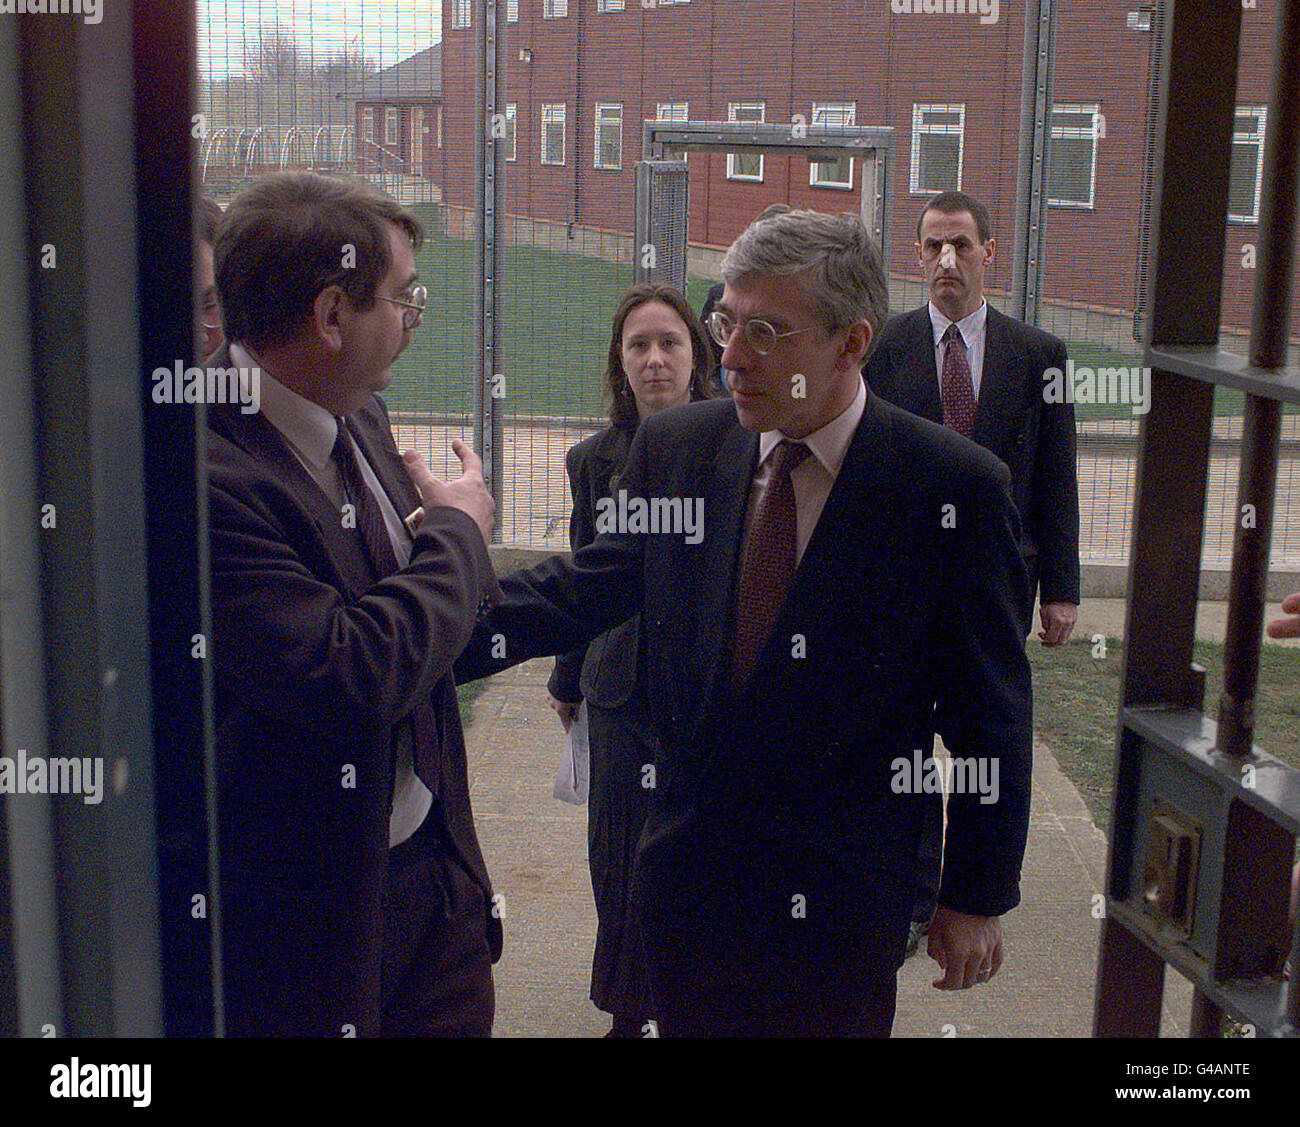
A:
{"points": [[318, 677], [1035, 439], [900, 606], [604, 672]]}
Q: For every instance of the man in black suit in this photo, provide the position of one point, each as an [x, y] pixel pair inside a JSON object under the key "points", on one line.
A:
{"points": [[989, 387], [858, 575], [354, 896]]}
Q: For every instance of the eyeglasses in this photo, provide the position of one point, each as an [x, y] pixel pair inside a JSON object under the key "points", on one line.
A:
{"points": [[414, 301], [760, 334]]}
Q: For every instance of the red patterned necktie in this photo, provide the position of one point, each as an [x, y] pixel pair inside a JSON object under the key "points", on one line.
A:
{"points": [[369, 516], [957, 387], [767, 564]]}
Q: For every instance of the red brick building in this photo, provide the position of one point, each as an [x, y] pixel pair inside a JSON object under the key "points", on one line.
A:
{"points": [[582, 76]]}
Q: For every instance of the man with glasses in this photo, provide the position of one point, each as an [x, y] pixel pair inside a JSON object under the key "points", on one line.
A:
{"points": [[856, 583], [355, 900]]}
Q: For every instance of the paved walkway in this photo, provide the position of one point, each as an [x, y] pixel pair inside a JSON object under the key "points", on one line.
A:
{"points": [[537, 854]]}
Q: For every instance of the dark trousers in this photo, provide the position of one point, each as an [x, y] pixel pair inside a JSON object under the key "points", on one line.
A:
{"points": [[437, 968]]}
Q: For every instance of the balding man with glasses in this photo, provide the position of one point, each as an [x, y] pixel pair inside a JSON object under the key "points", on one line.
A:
{"points": [[856, 585], [355, 900]]}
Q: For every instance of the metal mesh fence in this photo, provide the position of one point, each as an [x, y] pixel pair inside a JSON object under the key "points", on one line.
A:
{"points": [[388, 91]]}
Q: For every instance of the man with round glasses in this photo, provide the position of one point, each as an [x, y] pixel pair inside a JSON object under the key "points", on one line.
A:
{"points": [[855, 586], [354, 896]]}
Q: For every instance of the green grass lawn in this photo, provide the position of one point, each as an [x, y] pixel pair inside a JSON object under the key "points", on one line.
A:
{"points": [[1076, 700]]}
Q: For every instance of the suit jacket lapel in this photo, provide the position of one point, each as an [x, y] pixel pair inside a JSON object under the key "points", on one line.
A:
{"points": [[998, 413], [726, 499], [369, 427], [919, 384]]}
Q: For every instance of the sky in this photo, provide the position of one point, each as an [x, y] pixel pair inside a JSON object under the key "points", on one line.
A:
{"points": [[387, 30]]}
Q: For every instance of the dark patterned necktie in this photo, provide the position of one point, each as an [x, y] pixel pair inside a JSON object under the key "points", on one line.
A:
{"points": [[767, 563], [957, 386], [369, 516], [422, 729]]}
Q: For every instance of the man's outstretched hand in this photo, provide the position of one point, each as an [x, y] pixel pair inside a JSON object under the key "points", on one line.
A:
{"points": [[468, 493], [967, 948], [1287, 627]]}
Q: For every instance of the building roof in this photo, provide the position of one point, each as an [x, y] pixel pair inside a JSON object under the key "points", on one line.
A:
{"points": [[417, 79]]}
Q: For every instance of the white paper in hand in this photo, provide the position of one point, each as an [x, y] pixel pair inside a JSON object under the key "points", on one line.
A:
{"points": [[574, 776]]}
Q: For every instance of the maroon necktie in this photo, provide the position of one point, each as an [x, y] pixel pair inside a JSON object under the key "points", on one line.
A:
{"points": [[369, 516], [957, 386], [767, 564], [383, 561]]}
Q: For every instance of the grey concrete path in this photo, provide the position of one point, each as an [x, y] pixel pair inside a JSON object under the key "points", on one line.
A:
{"points": [[536, 851]]}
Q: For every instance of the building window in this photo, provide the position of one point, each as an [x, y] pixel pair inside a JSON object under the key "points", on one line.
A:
{"points": [[832, 173], [937, 147], [368, 123], [673, 111], [1247, 163], [609, 135], [461, 11], [609, 6], [440, 127], [554, 10], [745, 166], [391, 125], [509, 144], [553, 133], [417, 140], [512, 11], [1072, 169]]}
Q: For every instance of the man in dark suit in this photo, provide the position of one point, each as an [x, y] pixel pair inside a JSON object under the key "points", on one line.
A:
{"points": [[989, 387], [354, 896], [858, 575]]}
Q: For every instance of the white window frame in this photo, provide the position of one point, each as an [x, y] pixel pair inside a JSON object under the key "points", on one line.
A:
{"points": [[417, 139], [551, 117], [1260, 114], [368, 122], [392, 127], [512, 11], [676, 111], [610, 5], [555, 9], [603, 108], [510, 142], [921, 129], [1077, 133], [462, 13], [733, 108], [836, 111]]}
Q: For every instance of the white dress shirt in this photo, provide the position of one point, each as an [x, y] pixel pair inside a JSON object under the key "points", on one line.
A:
{"points": [[311, 432], [812, 480], [972, 328]]}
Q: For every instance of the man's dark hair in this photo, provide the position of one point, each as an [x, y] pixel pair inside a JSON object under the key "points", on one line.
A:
{"points": [[210, 216], [622, 403], [286, 237], [949, 203]]}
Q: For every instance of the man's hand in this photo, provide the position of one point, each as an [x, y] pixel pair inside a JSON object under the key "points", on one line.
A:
{"points": [[1287, 627], [1058, 622], [567, 713], [468, 493], [967, 948]]}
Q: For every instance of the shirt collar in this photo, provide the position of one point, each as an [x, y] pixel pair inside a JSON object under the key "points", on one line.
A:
{"points": [[830, 444], [969, 326], [308, 427]]}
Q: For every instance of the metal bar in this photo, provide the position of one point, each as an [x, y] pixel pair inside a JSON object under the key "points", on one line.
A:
{"points": [[1130, 985], [175, 483], [1207, 1017]]}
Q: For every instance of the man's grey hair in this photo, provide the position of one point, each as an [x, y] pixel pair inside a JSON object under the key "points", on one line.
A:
{"points": [[847, 279]]}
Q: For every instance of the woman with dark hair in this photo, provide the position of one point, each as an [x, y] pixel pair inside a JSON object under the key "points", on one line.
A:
{"points": [[659, 357]]}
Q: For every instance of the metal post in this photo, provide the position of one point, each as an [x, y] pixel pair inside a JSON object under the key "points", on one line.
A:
{"points": [[1252, 537], [1029, 236]]}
